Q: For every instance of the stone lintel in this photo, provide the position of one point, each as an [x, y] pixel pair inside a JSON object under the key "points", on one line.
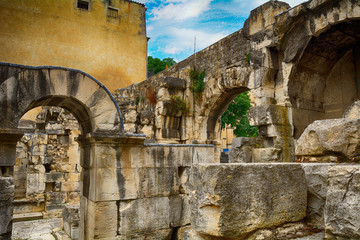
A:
{"points": [[111, 137]]}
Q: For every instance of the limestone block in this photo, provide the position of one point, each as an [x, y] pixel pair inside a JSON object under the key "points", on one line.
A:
{"points": [[173, 83], [337, 136], [166, 155], [148, 214], [204, 155], [147, 235], [102, 222], [35, 183], [268, 114], [71, 220], [188, 233], [129, 127], [241, 149], [6, 188], [155, 182], [54, 177], [108, 119], [130, 116], [266, 155], [72, 177], [184, 177], [163, 94], [231, 200], [55, 197], [263, 16], [70, 187], [316, 175], [148, 130], [342, 209], [6, 213], [353, 111], [146, 117], [115, 184]]}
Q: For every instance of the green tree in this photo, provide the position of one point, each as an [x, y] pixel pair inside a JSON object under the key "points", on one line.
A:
{"points": [[155, 65], [236, 116]]}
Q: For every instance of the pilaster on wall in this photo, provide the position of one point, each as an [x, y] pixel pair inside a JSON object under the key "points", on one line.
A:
{"points": [[8, 140], [103, 183]]}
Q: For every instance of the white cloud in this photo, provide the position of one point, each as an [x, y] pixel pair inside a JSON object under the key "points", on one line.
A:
{"points": [[182, 40], [180, 9], [172, 49]]}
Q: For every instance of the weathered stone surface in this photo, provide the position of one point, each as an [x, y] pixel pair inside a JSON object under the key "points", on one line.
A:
{"points": [[6, 213], [353, 111], [155, 234], [261, 155], [330, 137], [153, 213], [241, 149], [342, 211], [71, 220], [316, 175], [231, 200]]}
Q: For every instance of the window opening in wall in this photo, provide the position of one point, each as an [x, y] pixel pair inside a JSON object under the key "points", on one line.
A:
{"points": [[83, 5], [113, 12]]}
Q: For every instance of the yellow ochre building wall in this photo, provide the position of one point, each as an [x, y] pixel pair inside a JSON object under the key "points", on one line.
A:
{"points": [[58, 33]]}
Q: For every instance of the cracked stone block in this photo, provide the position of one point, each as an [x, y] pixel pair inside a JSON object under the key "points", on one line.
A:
{"points": [[342, 209], [337, 136], [153, 213], [316, 175], [232, 200]]}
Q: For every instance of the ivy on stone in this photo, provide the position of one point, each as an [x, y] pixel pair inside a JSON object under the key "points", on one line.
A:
{"points": [[198, 84]]}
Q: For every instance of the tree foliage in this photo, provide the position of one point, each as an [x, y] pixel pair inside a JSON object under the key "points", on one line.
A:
{"points": [[236, 116], [155, 65]]}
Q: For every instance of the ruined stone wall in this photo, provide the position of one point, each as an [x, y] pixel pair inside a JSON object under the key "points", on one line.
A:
{"points": [[144, 188], [47, 168], [289, 59]]}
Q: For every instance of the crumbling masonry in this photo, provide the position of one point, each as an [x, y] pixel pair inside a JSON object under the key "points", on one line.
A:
{"points": [[151, 170]]}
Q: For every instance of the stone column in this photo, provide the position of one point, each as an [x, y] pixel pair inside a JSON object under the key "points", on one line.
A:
{"points": [[8, 140], [102, 182]]}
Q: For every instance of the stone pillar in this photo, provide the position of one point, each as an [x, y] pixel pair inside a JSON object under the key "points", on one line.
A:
{"points": [[8, 140], [274, 122], [102, 182]]}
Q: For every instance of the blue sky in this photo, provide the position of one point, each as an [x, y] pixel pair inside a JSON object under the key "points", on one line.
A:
{"points": [[172, 25]]}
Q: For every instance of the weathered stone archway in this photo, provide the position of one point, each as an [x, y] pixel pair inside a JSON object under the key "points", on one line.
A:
{"points": [[23, 88], [267, 56], [325, 80]]}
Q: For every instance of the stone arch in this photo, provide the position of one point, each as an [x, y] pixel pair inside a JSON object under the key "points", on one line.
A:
{"points": [[23, 88], [218, 108], [324, 78]]}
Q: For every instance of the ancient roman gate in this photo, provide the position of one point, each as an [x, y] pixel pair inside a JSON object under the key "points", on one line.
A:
{"points": [[300, 64]]}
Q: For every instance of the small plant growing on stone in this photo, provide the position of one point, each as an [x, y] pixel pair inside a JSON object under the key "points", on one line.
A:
{"points": [[198, 84], [247, 58], [179, 103]]}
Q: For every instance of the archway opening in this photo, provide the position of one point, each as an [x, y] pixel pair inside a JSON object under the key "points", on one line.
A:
{"points": [[235, 123], [47, 173], [214, 117], [326, 80]]}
